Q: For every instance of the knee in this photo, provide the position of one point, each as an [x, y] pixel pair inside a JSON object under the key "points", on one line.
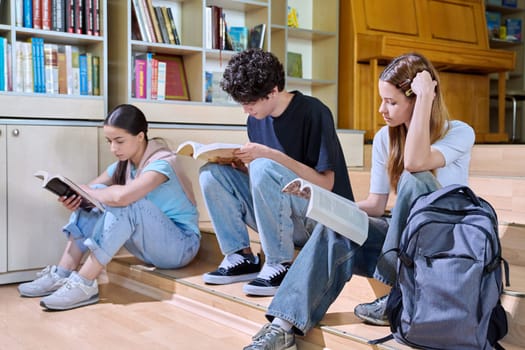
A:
{"points": [[262, 170], [208, 174]]}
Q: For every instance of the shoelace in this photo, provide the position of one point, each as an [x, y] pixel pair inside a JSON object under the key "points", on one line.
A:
{"points": [[266, 333], [45, 271], [270, 271], [231, 260]]}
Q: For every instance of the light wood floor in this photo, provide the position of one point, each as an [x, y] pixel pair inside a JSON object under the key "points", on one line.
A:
{"points": [[123, 319]]}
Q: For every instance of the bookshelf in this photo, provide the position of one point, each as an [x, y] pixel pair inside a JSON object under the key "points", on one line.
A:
{"points": [[317, 35], [43, 130], [316, 39]]}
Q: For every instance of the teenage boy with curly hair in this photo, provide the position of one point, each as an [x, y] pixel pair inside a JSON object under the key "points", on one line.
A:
{"points": [[290, 135]]}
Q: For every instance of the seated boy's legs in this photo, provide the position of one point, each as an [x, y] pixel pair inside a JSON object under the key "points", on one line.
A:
{"points": [[324, 265], [228, 199], [280, 221], [410, 187]]}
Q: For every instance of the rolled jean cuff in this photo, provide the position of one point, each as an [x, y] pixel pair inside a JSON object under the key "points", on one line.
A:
{"points": [[102, 257], [298, 329], [71, 230], [382, 279]]}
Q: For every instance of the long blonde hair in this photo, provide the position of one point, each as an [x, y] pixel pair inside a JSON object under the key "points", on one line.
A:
{"points": [[400, 73]]}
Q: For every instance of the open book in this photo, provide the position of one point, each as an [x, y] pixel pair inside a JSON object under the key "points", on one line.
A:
{"points": [[62, 186], [212, 152], [332, 210]]}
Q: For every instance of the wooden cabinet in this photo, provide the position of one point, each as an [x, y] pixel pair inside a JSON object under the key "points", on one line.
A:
{"points": [[316, 39], [30, 218]]}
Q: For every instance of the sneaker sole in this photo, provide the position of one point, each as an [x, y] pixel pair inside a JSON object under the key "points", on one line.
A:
{"points": [[373, 321], [93, 300], [212, 279], [36, 295], [259, 291]]}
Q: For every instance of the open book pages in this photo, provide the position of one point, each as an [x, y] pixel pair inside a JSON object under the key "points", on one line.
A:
{"points": [[62, 186], [332, 210], [211, 152]]}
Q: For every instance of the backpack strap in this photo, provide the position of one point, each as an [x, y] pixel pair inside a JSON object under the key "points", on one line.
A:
{"points": [[384, 339]]}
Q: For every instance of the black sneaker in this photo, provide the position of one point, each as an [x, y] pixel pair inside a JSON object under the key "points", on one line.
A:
{"points": [[235, 268], [268, 280]]}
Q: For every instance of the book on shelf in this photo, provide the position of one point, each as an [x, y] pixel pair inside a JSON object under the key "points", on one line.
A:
{"points": [[256, 36], [96, 75], [3, 63], [46, 13], [154, 21], [148, 57], [239, 38], [154, 78], [83, 74], [171, 16], [75, 64], [161, 80], [141, 20], [294, 64], [140, 78], [208, 78], [176, 82], [79, 16], [26, 65], [332, 210], [62, 71], [69, 16], [513, 26], [211, 152], [96, 17], [28, 13], [64, 187], [57, 16], [218, 95], [51, 68], [509, 3], [37, 14], [493, 23], [162, 25], [89, 61], [147, 19]]}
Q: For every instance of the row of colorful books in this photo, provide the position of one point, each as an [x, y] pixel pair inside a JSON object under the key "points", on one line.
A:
{"points": [[55, 69], [508, 29], [71, 16], [159, 77], [154, 24], [5, 65]]}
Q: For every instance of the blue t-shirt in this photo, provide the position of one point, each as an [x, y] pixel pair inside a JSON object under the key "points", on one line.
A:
{"points": [[169, 196], [305, 131]]}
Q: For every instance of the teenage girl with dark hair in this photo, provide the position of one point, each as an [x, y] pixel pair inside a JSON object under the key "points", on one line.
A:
{"points": [[149, 209]]}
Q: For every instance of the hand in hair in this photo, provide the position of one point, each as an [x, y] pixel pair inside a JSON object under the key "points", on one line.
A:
{"points": [[424, 85]]}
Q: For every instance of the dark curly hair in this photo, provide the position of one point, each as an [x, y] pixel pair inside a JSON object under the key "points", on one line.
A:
{"points": [[251, 75]]}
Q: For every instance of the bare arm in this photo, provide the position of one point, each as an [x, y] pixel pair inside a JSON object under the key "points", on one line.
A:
{"points": [[374, 205], [123, 195], [252, 151], [419, 155]]}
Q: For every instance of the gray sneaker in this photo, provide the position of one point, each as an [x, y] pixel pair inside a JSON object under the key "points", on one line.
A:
{"points": [[74, 293], [46, 283], [374, 312], [272, 337]]}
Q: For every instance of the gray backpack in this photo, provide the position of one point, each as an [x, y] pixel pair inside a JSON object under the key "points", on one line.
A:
{"points": [[447, 294]]}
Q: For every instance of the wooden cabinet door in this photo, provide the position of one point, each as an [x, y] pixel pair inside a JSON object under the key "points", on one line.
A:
{"points": [[34, 217]]}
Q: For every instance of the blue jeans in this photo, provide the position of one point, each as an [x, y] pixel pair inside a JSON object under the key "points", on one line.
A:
{"points": [[141, 227], [328, 260], [235, 200]]}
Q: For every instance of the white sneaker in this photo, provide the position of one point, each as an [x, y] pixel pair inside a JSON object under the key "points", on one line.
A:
{"points": [[47, 282], [74, 293], [268, 280], [272, 337]]}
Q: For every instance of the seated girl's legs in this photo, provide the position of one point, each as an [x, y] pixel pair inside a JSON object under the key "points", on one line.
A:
{"points": [[410, 187], [226, 193], [280, 216], [324, 265], [159, 241]]}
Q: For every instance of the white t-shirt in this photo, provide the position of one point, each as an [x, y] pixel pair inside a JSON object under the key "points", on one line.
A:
{"points": [[456, 147]]}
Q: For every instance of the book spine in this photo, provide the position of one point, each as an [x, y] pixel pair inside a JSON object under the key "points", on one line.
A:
{"points": [[96, 17], [19, 64], [58, 15], [140, 78], [37, 14], [89, 58], [88, 17], [83, 74], [79, 17], [154, 78], [161, 80], [48, 67], [147, 20], [96, 75], [28, 13], [46, 14], [167, 24], [140, 20], [27, 64], [9, 67], [154, 21], [3, 64], [69, 17], [19, 13], [34, 65], [162, 25], [75, 53], [171, 16], [41, 71]]}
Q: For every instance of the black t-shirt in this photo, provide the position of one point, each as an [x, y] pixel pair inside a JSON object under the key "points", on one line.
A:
{"points": [[305, 132]]}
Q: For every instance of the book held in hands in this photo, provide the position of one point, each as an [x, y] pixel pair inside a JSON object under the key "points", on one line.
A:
{"points": [[212, 152], [332, 210], [64, 187]]}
